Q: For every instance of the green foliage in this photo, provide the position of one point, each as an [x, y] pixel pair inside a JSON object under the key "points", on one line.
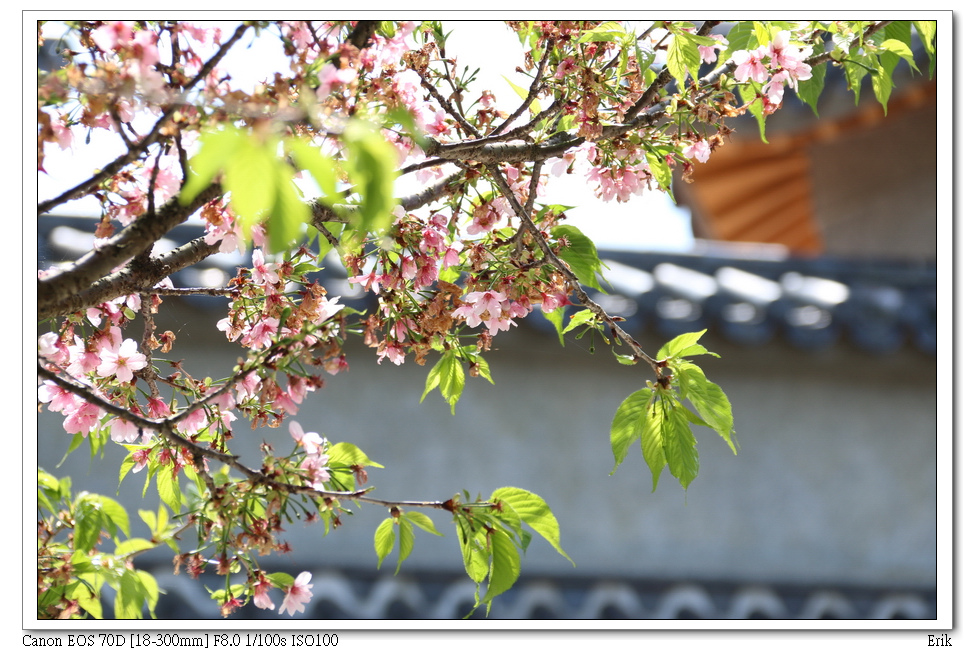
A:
{"points": [[258, 171], [492, 533], [656, 417], [580, 255], [72, 565]]}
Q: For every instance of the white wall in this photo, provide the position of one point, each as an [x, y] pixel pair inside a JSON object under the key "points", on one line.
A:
{"points": [[834, 483]]}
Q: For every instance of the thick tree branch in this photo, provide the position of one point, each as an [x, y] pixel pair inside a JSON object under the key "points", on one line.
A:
{"points": [[63, 287]]}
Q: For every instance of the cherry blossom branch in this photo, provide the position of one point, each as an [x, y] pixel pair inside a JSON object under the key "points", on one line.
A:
{"points": [[84, 282], [447, 106], [114, 167], [561, 267], [165, 428]]}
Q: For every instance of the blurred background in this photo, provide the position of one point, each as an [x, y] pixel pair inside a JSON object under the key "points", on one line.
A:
{"points": [[812, 263]]}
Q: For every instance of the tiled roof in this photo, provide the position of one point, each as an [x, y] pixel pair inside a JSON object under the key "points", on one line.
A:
{"points": [[359, 595], [877, 306]]}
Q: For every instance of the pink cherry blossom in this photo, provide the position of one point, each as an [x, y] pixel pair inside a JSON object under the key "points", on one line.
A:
{"points": [[260, 335], [123, 430], [157, 408], [196, 420], [262, 598], [750, 65], [297, 595], [58, 399], [123, 362], [331, 77], [311, 441], [264, 273], [84, 420], [699, 150], [566, 65], [709, 52], [392, 351]]}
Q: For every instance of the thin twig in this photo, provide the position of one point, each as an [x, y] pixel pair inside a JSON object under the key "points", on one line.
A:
{"points": [[134, 152], [561, 267]]}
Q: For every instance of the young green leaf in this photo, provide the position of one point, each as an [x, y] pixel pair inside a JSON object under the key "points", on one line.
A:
{"points": [[532, 510], [709, 400], [556, 317], [580, 255], [371, 165], [629, 424], [505, 565], [681, 345], [422, 521], [406, 536], [680, 446], [683, 56], [652, 442], [384, 539]]}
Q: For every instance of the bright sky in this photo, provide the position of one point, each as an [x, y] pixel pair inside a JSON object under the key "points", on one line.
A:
{"points": [[646, 222]]}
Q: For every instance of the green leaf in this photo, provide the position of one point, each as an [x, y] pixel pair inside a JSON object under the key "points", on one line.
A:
{"points": [[130, 596], [505, 564], [433, 377], [216, 148], [384, 540], [580, 255], [927, 30], [347, 454], [681, 345], [88, 598], [251, 178], [652, 442], [629, 424], [882, 78], [680, 446], [135, 545], [473, 550], [168, 487], [662, 173], [810, 89], [88, 522], [856, 67], [534, 106], [606, 31], [751, 98], [321, 168], [556, 317], [115, 513], [709, 400], [423, 522], [371, 165], [284, 223], [532, 510], [448, 374], [581, 317], [406, 536], [683, 57]]}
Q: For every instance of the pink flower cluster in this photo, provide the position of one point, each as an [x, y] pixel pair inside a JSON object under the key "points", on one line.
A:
{"points": [[491, 308], [785, 66], [315, 463]]}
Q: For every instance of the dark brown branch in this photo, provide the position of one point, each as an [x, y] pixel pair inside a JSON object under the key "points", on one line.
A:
{"points": [[58, 293]]}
